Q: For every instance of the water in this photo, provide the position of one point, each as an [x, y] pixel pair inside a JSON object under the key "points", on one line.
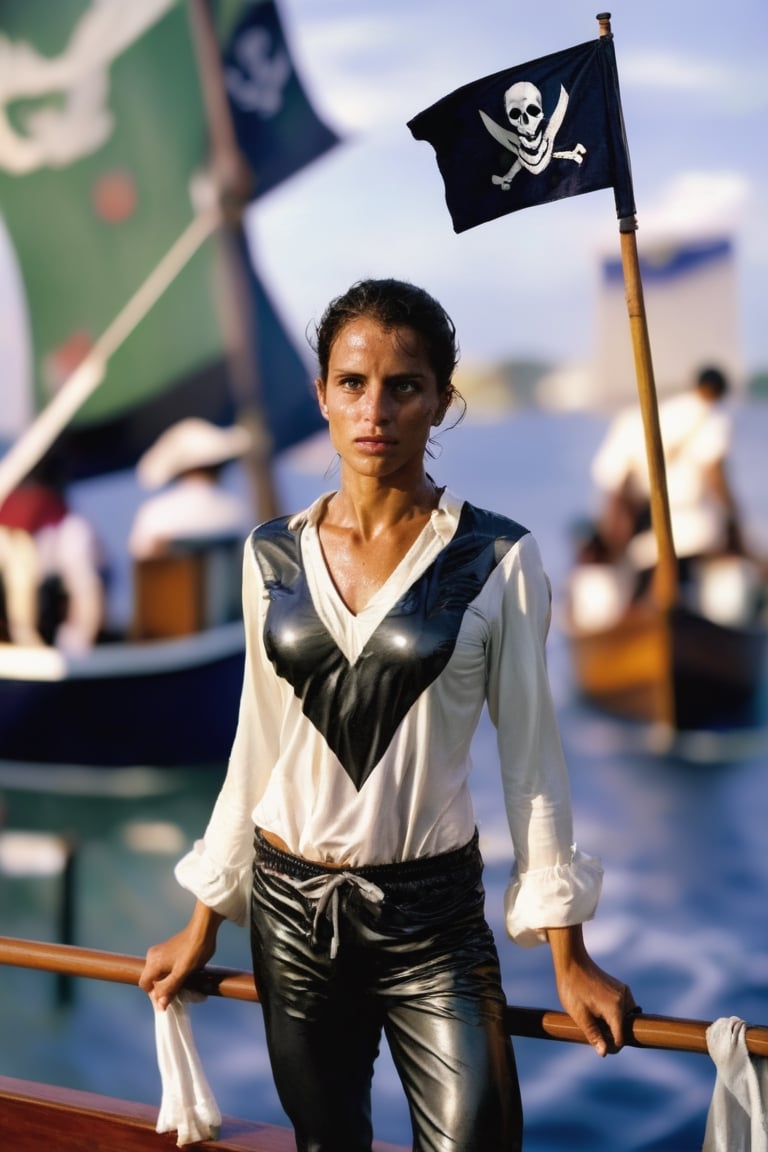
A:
{"points": [[682, 918]]}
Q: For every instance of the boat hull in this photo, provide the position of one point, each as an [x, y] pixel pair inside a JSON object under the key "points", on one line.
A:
{"points": [[43, 1116], [170, 703], [678, 668]]}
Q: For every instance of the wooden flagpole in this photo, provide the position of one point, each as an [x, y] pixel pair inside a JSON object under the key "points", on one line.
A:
{"points": [[665, 576], [234, 184], [664, 588]]}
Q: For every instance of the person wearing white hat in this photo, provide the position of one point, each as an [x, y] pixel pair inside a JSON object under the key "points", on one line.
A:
{"points": [[186, 463]]}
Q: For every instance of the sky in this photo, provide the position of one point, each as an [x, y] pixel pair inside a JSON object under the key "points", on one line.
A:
{"points": [[694, 88]]}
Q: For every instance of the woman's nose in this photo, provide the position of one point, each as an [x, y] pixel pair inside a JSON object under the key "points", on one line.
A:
{"points": [[378, 404]]}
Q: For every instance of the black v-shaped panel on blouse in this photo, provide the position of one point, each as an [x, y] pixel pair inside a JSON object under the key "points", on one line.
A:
{"points": [[358, 707]]}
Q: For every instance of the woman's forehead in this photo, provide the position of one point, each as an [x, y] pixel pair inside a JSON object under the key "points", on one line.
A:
{"points": [[365, 336]]}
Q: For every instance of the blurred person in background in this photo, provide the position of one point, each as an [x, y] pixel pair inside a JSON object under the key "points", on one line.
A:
{"points": [[696, 434], [51, 567], [184, 465]]}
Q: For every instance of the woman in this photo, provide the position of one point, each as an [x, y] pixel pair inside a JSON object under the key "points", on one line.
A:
{"points": [[378, 623]]}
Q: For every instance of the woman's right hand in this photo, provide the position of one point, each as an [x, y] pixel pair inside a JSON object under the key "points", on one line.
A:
{"points": [[168, 965]]}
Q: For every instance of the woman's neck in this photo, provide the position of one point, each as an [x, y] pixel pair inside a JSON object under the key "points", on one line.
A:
{"points": [[366, 531], [369, 507]]}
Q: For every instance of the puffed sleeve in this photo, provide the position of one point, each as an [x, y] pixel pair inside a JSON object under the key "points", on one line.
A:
{"points": [[553, 884], [218, 869]]}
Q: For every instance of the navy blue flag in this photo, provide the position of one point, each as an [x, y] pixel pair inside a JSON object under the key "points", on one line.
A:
{"points": [[530, 134], [285, 380], [277, 129]]}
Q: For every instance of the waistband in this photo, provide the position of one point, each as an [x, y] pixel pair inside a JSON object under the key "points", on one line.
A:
{"points": [[403, 872]]}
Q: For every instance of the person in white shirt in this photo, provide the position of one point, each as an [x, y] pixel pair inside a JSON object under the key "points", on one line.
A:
{"points": [[184, 465], [696, 435], [378, 623]]}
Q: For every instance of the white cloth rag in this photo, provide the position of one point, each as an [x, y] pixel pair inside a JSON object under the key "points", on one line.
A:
{"points": [[738, 1118], [188, 1106]]}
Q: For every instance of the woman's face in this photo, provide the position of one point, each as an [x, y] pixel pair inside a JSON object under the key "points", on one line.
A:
{"points": [[380, 399]]}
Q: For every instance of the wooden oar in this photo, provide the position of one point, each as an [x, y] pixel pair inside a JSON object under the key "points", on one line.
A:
{"points": [[643, 1030]]}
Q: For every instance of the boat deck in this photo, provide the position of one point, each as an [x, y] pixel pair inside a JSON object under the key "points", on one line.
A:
{"points": [[42, 1117]]}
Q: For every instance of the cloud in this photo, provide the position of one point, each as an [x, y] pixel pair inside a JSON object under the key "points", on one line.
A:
{"points": [[663, 69], [364, 73], [731, 87], [699, 203]]}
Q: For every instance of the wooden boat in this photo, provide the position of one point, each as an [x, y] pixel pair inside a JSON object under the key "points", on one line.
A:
{"points": [[148, 283], [165, 694], [675, 667], [33, 1111], [160, 703]]}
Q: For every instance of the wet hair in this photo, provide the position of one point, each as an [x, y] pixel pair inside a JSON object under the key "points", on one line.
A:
{"points": [[393, 304], [713, 381]]}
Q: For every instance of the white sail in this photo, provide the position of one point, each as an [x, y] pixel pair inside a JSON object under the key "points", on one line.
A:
{"points": [[691, 292]]}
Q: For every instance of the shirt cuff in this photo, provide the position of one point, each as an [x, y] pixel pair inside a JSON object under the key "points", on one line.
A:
{"points": [[225, 890], [555, 897]]}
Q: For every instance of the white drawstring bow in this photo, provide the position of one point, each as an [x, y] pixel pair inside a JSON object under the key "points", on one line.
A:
{"points": [[325, 888]]}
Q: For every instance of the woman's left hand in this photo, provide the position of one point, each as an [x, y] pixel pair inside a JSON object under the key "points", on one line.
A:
{"points": [[595, 1000]]}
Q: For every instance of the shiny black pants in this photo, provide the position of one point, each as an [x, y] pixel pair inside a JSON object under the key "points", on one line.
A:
{"points": [[340, 955]]}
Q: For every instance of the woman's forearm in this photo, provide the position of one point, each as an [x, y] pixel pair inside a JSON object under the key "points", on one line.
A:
{"points": [[204, 925], [567, 947]]}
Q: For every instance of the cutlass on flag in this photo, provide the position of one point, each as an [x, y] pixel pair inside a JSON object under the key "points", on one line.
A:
{"points": [[530, 134]]}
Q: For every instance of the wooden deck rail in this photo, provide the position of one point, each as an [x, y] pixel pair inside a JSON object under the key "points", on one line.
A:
{"points": [[644, 1031]]}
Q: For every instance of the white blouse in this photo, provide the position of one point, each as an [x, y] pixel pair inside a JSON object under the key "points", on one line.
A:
{"points": [[415, 800]]}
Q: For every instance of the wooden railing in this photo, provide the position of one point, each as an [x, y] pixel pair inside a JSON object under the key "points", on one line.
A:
{"points": [[40, 1117], [643, 1030]]}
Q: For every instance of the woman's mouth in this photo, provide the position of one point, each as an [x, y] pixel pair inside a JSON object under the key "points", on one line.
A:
{"points": [[374, 444]]}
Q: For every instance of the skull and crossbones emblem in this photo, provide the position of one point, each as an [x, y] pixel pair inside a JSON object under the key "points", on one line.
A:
{"points": [[530, 135]]}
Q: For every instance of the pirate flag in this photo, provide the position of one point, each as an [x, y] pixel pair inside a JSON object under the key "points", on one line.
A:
{"points": [[530, 134], [277, 128]]}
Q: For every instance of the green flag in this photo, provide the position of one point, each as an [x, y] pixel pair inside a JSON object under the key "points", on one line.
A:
{"points": [[102, 131], [103, 150]]}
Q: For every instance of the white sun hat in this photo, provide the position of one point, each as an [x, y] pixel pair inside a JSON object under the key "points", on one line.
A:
{"points": [[192, 443]]}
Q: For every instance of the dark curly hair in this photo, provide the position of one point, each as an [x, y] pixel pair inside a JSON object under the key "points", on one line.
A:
{"points": [[393, 304]]}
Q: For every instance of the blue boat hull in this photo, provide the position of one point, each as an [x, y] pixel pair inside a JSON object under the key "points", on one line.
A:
{"points": [[176, 706]]}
